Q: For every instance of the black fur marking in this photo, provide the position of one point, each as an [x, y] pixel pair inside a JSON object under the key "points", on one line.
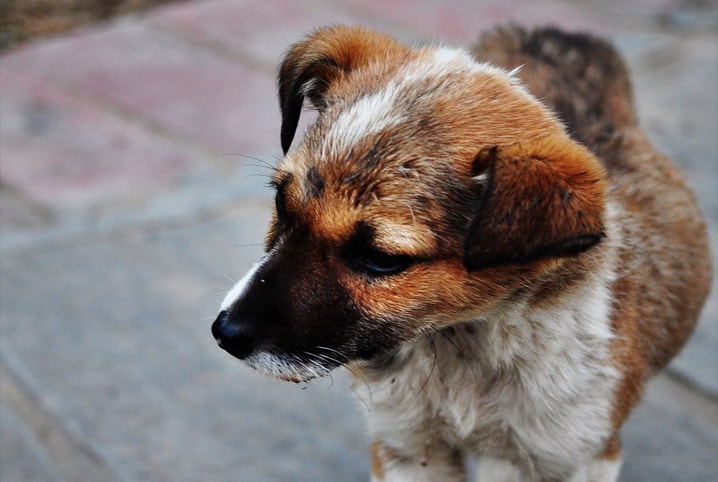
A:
{"points": [[315, 183], [280, 203], [293, 87]]}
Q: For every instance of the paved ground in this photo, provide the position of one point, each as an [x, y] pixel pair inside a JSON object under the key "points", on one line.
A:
{"points": [[133, 164]]}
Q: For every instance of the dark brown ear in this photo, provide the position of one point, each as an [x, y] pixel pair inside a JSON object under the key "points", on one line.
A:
{"points": [[536, 200], [313, 65]]}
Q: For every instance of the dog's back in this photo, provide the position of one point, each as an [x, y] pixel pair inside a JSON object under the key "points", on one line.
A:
{"points": [[664, 270], [581, 78]]}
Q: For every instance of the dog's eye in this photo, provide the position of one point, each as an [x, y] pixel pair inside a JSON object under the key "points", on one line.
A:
{"points": [[377, 263], [280, 186], [280, 205]]}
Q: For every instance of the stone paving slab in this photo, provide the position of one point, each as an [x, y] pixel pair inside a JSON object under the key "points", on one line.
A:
{"points": [[44, 126], [21, 458], [133, 164], [161, 79], [461, 21], [147, 389], [248, 30]]}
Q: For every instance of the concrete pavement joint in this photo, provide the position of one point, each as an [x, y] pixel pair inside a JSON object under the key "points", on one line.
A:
{"points": [[690, 385], [66, 237], [216, 47], [124, 114], [74, 458]]}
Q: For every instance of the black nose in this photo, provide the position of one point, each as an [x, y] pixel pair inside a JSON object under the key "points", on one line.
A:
{"points": [[237, 338]]}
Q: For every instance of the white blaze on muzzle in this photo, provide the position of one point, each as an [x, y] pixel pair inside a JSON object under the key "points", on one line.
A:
{"points": [[238, 289]]}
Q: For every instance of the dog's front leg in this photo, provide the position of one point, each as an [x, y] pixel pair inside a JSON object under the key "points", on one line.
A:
{"points": [[495, 470], [599, 470], [436, 462]]}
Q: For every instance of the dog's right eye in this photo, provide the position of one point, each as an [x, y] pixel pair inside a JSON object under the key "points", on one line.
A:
{"points": [[280, 186], [377, 263], [279, 205]]}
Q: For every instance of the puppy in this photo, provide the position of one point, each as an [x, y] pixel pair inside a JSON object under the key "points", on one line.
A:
{"points": [[485, 238]]}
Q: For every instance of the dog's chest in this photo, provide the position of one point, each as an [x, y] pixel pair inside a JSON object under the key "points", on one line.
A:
{"points": [[541, 397]]}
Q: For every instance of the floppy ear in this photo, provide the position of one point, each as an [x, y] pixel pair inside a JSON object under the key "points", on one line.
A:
{"points": [[538, 199], [311, 67]]}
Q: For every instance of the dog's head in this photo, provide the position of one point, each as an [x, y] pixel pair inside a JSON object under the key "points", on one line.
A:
{"points": [[429, 190]]}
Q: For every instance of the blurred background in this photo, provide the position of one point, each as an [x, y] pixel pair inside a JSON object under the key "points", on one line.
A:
{"points": [[136, 139]]}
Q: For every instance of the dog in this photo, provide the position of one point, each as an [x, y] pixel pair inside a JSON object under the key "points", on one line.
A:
{"points": [[485, 238]]}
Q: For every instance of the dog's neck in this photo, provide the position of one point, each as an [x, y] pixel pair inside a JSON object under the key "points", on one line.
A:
{"points": [[531, 330], [520, 335]]}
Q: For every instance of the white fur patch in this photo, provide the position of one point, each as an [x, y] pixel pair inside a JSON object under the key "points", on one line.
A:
{"points": [[369, 115], [494, 470], [441, 63], [238, 289], [383, 109], [598, 471], [415, 472], [481, 178], [454, 59], [289, 367]]}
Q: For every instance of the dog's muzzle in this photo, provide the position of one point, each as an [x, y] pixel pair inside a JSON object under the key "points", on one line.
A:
{"points": [[238, 339]]}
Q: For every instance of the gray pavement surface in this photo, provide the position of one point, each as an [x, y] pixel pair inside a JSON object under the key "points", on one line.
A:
{"points": [[133, 160]]}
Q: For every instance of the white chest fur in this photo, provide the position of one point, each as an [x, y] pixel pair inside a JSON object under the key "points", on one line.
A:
{"points": [[530, 386]]}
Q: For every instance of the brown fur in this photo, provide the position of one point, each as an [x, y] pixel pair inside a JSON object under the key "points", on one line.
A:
{"points": [[667, 269], [481, 199]]}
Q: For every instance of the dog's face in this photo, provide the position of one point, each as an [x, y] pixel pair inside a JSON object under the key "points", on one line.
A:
{"points": [[429, 190]]}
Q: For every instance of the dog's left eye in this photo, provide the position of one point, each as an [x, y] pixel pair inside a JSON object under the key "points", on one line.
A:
{"points": [[378, 263]]}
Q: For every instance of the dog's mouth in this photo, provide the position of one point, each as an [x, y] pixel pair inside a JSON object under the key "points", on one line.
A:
{"points": [[294, 358], [291, 368], [296, 365]]}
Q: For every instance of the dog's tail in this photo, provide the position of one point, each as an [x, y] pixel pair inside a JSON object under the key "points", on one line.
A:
{"points": [[581, 78]]}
